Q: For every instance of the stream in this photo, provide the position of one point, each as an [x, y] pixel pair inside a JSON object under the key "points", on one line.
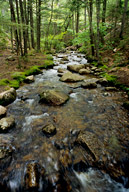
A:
{"points": [[64, 162]]}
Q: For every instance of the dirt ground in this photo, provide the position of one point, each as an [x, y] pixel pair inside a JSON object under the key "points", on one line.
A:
{"points": [[8, 67]]}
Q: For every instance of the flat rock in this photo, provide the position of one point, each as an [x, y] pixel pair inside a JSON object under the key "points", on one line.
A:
{"points": [[75, 68], [89, 85], [84, 71], [103, 81], [29, 79], [6, 123], [61, 70], [7, 97], [110, 88], [53, 97], [10, 58], [70, 77], [3, 111], [49, 129]]}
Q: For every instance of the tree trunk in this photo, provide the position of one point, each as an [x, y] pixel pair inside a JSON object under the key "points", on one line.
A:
{"points": [[24, 30], [18, 20], [77, 21], [85, 16], [123, 19], [98, 20], [38, 24], [91, 28], [13, 19], [31, 24], [104, 11]]}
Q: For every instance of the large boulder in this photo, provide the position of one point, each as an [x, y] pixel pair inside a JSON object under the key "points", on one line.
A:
{"points": [[53, 97], [3, 111], [75, 68], [107, 157], [6, 123], [7, 97], [70, 77]]}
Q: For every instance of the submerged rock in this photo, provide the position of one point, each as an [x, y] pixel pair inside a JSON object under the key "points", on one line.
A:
{"points": [[53, 97], [105, 157], [89, 85], [32, 176], [49, 129], [7, 97], [3, 111], [70, 77], [75, 68], [6, 123]]}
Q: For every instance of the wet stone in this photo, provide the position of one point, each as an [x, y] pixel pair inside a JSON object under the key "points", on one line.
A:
{"points": [[61, 70], [103, 81], [89, 85], [6, 151], [49, 129], [29, 79], [111, 89], [75, 68], [3, 111], [7, 97], [53, 97], [70, 77], [84, 71], [6, 124], [32, 176]]}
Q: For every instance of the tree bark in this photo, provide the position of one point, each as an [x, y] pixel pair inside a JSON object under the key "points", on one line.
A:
{"points": [[104, 11], [77, 21], [32, 25], [13, 19], [38, 24], [98, 20], [91, 27], [18, 20], [123, 18], [24, 30]]}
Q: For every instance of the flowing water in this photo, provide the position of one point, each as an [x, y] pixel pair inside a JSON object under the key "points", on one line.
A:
{"points": [[51, 164]]}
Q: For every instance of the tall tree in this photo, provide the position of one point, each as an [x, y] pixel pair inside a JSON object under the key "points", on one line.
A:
{"points": [[13, 19], [91, 27], [38, 6], [31, 23], [98, 20], [123, 18]]}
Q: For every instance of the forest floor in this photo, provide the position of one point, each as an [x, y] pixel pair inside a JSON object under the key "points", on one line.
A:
{"points": [[9, 66], [16, 64]]}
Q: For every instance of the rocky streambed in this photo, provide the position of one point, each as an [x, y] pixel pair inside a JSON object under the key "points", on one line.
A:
{"points": [[67, 131]]}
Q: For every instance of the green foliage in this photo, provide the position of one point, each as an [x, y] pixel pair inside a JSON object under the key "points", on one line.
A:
{"points": [[112, 79], [49, 57], [33, 71], [4, 82], [47, 64], [14, 83], [20, 76]]}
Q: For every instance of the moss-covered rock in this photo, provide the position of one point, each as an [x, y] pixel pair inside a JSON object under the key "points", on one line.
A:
{"points": [[6, 123], [34, 70], [7, 97], [3, 111], [20, 76], [53, 97], [70, 77]]}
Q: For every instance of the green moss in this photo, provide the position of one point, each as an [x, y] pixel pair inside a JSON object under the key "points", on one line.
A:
{"points": [[47, 64], [4, 82], [33, 70], [14, 83], [20, 76], [112, 79], [49, 57]]}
